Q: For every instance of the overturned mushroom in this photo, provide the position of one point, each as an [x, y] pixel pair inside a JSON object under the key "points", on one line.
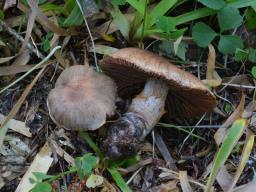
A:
{"points": [[187, 96], [81, 99]]}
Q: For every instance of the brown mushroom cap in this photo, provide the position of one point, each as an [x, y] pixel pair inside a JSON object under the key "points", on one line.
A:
{"points": [[81, 99], [187, 95]]}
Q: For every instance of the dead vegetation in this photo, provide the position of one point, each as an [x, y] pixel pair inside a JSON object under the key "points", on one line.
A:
{"points": [[39, 40]]}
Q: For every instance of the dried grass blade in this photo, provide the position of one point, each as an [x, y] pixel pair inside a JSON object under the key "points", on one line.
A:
{"points": [[17, 106], [12, 70], [45, 21], [41, 163], [62, 153], [30, 25], [184, 182], [249, 187], [212, 77], [32, 69], [17, 126], [245, 156], [6, 59]]}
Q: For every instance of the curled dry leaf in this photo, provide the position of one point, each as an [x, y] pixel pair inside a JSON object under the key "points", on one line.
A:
{"points": [[212, 77]]}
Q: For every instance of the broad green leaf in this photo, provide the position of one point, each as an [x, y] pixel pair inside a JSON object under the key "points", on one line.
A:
{"points": [[85, 164], [252, 55], [41, 176], [193, 15], [94, 181], [69, 6], [167, 24], [75, 18], [202, 34], [254, 72], [216, 4], [241, 55], [232, 137], [250, 16], [42, 187], [119, 179], [229, 43], [229, 18], [160, 9], [121, 22]]}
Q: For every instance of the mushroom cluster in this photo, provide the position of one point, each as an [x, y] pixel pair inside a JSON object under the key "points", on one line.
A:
{"points": [[81, 99], [185, 94]]}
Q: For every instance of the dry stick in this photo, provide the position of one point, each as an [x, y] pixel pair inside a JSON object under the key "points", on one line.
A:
{"points": [[21, 39]]}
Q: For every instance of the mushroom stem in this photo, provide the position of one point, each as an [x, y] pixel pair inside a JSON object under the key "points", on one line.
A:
{"points": [[143, 114]]}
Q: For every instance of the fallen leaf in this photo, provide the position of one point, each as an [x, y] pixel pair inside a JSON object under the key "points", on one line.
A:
{"points": [[17, 126], [94, 181], [41, 163], [212, 77], [184, 181]]}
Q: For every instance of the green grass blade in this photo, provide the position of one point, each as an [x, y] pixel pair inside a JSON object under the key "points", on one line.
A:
{"points": [[233, 135], [140, 7], [193, 15], [160, 9], [75, 18], [90, 142], [204, 12], [119, 179]]}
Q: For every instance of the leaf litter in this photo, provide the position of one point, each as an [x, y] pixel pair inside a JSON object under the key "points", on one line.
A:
{"points": [[179, 163]]}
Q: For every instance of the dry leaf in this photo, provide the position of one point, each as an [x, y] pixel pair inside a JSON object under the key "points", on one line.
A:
{"points": [[184, 181], [224, 179], [41, 163], [17, 126], [16, 107], [212, 77], [250, 187]]}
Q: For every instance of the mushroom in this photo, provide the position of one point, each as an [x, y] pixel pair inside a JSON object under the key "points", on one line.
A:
{"points": [[81, 99], [186, 96]]}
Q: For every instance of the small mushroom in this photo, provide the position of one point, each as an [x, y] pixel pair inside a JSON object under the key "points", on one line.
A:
{"points": [[81, 99], [186, 96]]}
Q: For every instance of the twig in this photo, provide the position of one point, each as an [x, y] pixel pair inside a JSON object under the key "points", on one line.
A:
{"points": [[21, 39]]}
